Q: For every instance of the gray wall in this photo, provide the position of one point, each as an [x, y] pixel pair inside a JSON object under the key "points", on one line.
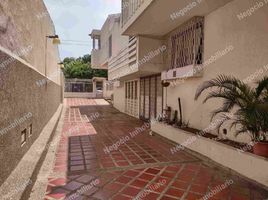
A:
{"points": [[19, 95], [23, 30]]}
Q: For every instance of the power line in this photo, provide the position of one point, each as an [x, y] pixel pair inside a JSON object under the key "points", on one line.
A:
{"points": [[75, 44], [76, 41]]}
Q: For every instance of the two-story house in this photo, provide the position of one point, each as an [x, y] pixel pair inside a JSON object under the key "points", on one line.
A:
{"points": [[186, 43]]}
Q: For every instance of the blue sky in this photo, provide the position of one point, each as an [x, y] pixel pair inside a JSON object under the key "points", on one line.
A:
{"points": [[74, 20]]}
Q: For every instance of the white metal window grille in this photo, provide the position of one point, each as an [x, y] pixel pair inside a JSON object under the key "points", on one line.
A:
{"points": [[131, 106], [187, 43]]}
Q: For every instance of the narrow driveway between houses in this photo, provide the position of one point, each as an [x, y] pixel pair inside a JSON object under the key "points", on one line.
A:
{"points": [[104, 154]]}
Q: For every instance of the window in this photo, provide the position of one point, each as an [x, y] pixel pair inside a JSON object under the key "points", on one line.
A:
{"points": [[131, 90], [23, 137], [136, 89], [128, 86], [186, 44], [131, 103], [151, 97], [30, 131], [110, 46], [126, 90]]}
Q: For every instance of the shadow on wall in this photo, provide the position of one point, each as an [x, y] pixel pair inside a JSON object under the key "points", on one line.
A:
{"points": [[8, 32], [26, 107]]}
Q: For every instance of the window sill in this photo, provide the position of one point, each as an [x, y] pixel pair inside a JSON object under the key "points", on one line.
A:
{"points": [[183, 72]]}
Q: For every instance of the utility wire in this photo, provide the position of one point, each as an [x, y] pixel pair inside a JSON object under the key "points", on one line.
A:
{"points": [[75, 44], [77, 41]]}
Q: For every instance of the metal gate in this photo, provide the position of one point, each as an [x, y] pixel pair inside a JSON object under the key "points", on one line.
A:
{"points": [[151, 97]]}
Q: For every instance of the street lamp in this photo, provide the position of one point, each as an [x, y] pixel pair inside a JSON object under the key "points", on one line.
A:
{"points": [[56, 41], [61, 65]]}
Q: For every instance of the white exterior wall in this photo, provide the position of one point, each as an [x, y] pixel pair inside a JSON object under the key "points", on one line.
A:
{"points": [[119, 41], [223, 28], [119, 97], [111, 27], [146, 47]]}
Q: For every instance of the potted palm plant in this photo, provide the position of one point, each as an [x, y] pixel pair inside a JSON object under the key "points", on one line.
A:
{"points": [[244, 107]]}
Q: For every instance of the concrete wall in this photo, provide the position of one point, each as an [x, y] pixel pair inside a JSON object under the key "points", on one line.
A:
{"points": [[243, 163], [119, 97], [79, 95], [27, 96], [111, 27], [23, 102], [249, 40], [153, 50], [23, 30], [107, 91], [119, 41]]}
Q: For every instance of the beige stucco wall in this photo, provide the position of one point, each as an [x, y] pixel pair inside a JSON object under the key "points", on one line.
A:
{"points": [[28, 24], [24, 89], [111, 27], [249, 39], [147, 48], [119, 97], [23, 102], [119, 41], [106, 90]]}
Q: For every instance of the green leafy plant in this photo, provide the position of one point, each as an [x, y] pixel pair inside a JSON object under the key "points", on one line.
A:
{"points": [[81, 68], [243, 106]]}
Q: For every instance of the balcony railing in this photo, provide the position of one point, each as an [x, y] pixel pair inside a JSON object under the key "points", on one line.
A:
{"points": [[125, 62], [129, 7]]}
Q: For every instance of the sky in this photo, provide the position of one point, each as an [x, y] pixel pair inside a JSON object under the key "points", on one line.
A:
{"points": [[75, 19]]}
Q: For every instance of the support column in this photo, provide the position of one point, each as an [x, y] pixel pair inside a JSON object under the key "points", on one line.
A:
{"points": [[99, 43], [94, 43]]}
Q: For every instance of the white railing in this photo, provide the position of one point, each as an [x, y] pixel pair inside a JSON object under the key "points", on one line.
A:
{"points": [[125, 62], [129, 7]]}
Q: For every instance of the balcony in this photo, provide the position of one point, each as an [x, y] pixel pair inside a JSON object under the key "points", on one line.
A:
{"points": [[125, 62], [99, 55], [157, 17], [142, 57]]}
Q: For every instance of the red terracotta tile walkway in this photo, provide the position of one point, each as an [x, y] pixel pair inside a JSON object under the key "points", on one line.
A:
{"points": [[142, 166]]}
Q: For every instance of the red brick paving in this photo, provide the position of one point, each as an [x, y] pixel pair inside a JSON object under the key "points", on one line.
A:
{"points": [[142, 167]]}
